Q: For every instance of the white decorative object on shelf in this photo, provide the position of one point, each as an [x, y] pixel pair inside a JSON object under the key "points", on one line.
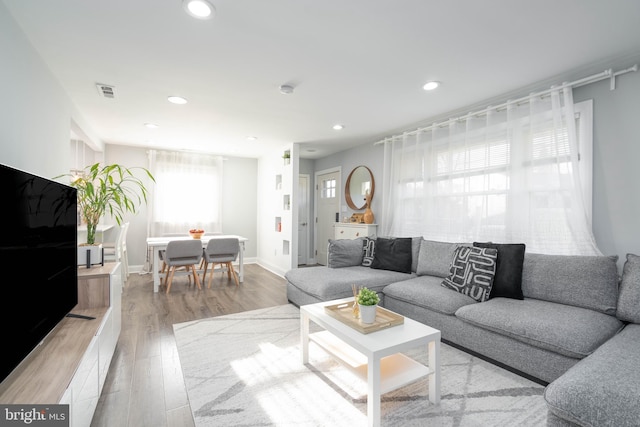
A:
{"points": [[89, 255]]}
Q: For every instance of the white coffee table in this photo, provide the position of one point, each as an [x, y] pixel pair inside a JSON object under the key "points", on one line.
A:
{"points": [[378, 359]]}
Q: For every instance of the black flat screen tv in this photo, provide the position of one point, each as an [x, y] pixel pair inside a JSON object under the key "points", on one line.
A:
{"points": [[38, 254]]}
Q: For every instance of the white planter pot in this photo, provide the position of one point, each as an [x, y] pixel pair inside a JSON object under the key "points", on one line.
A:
{"points": [[368, 313], [90, 255]]}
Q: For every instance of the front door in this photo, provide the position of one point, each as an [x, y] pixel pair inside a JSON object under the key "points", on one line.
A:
{"points": [[328, 208]]}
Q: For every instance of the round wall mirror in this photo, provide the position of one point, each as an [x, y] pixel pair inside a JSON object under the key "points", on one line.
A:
{"points": [[360, 180]]}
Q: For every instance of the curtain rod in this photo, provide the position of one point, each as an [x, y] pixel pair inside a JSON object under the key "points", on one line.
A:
{"points": [[606, 74]]}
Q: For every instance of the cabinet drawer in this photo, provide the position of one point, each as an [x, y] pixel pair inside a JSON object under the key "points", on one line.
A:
{"points": [[348, 233], [353, 231], [85, 387]]}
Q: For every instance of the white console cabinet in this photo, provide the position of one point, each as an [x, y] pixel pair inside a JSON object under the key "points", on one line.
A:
{"points": [[345, 230], [71, 364]]}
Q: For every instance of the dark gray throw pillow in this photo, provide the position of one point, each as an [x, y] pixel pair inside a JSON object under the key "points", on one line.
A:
{"points": [[393, 254], [508, 280]]}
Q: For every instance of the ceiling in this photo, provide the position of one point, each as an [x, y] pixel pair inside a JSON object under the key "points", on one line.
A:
{"points": [[361, 63]]}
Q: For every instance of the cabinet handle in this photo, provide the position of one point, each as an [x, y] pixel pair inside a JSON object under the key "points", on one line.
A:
{"points": [[341, 231], [357, 234]]}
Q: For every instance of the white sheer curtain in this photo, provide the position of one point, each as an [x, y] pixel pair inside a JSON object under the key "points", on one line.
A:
{"points": [[187, 193], [504, 176]]}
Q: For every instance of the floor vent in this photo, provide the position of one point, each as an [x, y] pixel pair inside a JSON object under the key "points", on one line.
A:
{"points": [[105, 91]]}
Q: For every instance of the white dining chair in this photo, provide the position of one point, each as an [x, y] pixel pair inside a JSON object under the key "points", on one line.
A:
{"points": [[117, 251]]}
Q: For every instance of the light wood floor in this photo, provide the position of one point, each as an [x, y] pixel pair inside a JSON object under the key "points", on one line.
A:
{"points": [[145, 386]]}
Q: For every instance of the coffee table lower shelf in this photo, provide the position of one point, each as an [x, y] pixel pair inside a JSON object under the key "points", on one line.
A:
{"points": [[396, 370]]}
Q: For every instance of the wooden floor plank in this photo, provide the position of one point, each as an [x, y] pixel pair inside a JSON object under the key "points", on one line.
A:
{"points": [[144, 386]]}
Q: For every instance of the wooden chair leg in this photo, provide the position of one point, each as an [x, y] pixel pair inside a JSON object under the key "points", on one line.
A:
{"points": [[233, 273], [213, 268], [172, 270], [164, 271], [195, 276], [188, 270], [205, 265]]}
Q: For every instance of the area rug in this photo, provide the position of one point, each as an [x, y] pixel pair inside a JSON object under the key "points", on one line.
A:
{"points": [[245, 369]]}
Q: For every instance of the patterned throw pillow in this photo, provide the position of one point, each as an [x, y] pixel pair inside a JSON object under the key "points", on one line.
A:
{"points": [[369, 248], [472, 271]]}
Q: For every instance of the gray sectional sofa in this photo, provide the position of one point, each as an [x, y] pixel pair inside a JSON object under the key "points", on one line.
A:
{"points": [[572, 323]]}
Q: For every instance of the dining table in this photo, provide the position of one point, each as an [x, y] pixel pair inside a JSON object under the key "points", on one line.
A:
{"points": [[158, 244]]}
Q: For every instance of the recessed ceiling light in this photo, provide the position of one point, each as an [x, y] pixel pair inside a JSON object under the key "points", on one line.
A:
{"points": [[177, 100], [200, 9], [251, 138], [151, 125], [338, 126], [431, 85]]}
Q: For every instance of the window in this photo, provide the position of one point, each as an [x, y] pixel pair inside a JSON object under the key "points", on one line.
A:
{"points": [[328, 189], [187, 193], [514, 175]]}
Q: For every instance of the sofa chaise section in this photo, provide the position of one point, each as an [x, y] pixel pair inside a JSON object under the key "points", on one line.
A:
{"points": [[347, 266], [309, 285], [602, 389]]}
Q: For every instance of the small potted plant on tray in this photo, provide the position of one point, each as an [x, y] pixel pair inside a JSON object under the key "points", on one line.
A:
{"points": [[367, 302]]}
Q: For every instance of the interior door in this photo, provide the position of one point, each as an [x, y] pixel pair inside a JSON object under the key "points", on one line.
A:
{"points": [[303, 219], [328, 209]]}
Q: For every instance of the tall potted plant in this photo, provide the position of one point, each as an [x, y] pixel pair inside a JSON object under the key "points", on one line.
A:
{"points": [[112, 189]]}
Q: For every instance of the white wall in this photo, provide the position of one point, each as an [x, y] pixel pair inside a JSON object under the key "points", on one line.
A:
{"points": [[35, 112], [137, 234], [277, 250], [616, 157], [240, 201]]}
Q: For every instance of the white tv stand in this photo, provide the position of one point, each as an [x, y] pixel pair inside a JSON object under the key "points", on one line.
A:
{"points": [[71, 364]]}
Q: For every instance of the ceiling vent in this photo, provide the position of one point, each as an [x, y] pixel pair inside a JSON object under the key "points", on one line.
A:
{"points": [[105, 91]]}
